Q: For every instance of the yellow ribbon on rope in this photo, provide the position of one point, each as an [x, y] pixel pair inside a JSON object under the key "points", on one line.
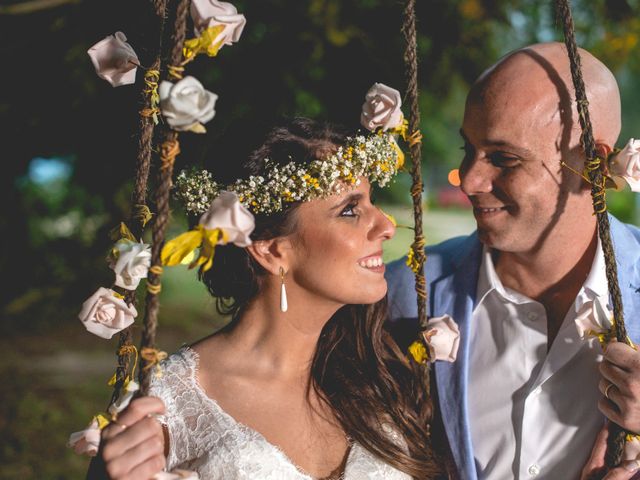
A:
{"points": [[204, 43], [153, 356], [419, 352], [176, 250]]}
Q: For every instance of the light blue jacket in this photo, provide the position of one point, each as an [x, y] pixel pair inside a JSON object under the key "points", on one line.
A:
{"points": [[452, 275]]}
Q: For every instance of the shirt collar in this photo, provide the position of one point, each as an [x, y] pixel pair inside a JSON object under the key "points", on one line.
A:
{"points": [[594, 286]]}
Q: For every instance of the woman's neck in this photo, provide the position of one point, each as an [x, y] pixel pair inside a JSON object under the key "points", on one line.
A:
{"points": [[280, 343]]}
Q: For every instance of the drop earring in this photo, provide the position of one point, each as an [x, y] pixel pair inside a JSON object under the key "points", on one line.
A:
{"points": [[284, 306]]}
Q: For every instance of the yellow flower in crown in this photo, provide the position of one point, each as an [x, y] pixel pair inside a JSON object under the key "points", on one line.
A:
{"points": [[226, 221]]}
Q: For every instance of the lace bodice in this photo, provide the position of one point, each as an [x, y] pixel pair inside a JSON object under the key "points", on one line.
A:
{"points": [[205, 438]]}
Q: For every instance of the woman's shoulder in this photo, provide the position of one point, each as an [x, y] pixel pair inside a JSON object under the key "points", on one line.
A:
{"points": [[177, 372]]}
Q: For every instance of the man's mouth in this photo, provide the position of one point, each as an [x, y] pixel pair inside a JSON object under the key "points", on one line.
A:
{"points": [[488, 211]]}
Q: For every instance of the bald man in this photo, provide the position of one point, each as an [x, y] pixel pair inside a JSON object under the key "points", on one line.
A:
{"points": [[524, 397]]}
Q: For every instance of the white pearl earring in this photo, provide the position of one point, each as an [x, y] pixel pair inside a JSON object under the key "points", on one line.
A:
{"points": [[284, 306]]}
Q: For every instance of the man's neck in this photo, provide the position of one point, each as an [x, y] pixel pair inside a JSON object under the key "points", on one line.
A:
{"points": [[551, 276]]}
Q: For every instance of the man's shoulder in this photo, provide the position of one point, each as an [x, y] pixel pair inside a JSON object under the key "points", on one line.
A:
{"points": [[625, 236]]}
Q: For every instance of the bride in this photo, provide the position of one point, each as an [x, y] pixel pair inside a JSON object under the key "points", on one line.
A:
{"points": [[304, 383]]}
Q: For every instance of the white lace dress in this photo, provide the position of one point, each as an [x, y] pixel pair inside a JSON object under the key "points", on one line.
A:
{"points": [[205, 438]]}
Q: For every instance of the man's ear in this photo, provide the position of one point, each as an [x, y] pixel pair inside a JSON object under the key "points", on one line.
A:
{"points": [[603, 149], [271, 254]]}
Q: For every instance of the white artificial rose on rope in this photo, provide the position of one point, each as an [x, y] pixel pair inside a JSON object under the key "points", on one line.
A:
{"points": [[87, 441], [593, 319], [226, 221], [115, 60], [440, 341], [105, 313], [382, 108], [626, 165], [186, 104], [212, 13], [130, 261]]}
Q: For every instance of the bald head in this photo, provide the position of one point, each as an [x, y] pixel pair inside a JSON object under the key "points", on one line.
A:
{"points": [[535, 82]]}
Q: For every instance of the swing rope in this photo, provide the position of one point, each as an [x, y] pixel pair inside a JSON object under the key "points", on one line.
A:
{"points": [[169, 149], [594, 169]]}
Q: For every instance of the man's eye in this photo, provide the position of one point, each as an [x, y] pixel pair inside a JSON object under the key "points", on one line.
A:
{"points": [[349, 210], [503, 161]]}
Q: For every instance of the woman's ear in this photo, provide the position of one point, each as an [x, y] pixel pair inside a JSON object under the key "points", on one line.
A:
{"points": [[272, 254]]}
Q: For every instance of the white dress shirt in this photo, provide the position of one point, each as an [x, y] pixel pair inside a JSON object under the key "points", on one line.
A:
{"points": [[533, 413]]}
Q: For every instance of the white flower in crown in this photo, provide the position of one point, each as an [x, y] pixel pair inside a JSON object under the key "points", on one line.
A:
{"points": [[177, 474], [626, 164], [130, 389], [381, 108], [442, 338], [130, 261], [87, 441], [593, 318], [186, 104], [105, 313], [114, 60], [212, 13], [227, 213]]}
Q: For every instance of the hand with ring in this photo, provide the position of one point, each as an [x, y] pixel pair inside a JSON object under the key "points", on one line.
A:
{"points": [[620, 386], [133, 446]]}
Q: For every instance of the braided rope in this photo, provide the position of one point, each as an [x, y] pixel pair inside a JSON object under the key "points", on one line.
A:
{"points": [[593, 166], [415, 147], [140, 211], [168, 151]]}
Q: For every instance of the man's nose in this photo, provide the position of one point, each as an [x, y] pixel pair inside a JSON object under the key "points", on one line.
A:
{"points": [[476, 176]]}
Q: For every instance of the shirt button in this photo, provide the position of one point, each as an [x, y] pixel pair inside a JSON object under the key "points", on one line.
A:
{"points": [[532, 315], [534, 470]]}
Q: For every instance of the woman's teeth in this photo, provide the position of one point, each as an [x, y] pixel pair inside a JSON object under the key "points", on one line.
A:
{"points": [[371, 262]]}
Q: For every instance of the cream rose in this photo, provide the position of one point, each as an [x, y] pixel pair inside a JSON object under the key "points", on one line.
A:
{"points": [[186, 104], [130, 261], [114, 60], [626, 164], [104, 314], [631, 449], [86, 441], [442, 338], [227, 213], [593, 317], [211, 13], [381, 108], [177, 474]]}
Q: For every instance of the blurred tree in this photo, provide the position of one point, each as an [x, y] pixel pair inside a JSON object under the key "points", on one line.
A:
{"points": [[314, 58]]}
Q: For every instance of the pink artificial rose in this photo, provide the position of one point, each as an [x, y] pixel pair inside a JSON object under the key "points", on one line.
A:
{"points": [[593, 318], [211, 13], [442, 338], [626, 164], [86, 441], [104, 314], [114, 60], [227, 213], [381, 108], [631, 450]]}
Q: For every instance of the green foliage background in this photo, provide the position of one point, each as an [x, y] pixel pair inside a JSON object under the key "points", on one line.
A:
{"points": [[315, 58]]}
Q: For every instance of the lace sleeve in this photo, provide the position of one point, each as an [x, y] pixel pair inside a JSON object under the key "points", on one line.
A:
{"points": [[173, 388]]}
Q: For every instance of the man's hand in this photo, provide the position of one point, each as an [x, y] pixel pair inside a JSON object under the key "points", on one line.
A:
{"points": [[595, 465], [620, 386]]}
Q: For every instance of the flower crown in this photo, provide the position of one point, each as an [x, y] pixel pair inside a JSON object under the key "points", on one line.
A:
{"points": [[376, 157]]}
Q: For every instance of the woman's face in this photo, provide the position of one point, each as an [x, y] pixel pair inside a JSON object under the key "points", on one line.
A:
{"points": [[337, 247]]}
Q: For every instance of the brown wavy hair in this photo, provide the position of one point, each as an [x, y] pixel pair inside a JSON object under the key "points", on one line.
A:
{"points": [[357, 369]]}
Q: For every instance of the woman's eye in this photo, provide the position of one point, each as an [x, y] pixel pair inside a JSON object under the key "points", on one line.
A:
{"points": [[349, 210]]}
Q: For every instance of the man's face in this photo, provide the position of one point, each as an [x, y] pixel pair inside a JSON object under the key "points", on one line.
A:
{"points": [[511, 170]]}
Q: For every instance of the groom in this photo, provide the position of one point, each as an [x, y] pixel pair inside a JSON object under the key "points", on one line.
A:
{"points": [[524, 399]]}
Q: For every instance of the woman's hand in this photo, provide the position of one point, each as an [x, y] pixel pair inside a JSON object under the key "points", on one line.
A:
{"points": [[133, 446], [595, 465]]}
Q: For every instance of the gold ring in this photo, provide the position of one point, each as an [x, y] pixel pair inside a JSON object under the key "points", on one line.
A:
{"points": [[606, 391]]}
